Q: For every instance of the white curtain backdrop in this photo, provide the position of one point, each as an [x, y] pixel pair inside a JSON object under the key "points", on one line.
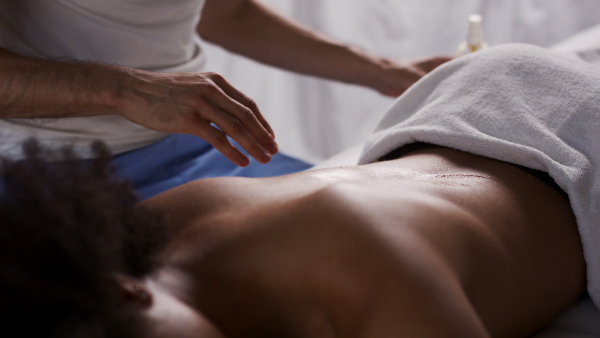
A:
{"points": [[314, 119]]}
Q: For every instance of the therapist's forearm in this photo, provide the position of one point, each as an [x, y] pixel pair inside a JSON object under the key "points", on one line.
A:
{"points": [[31, 87], [258, 32]]}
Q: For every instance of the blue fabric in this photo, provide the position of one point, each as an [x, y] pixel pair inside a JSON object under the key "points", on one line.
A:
{"points": [[183, 158]]}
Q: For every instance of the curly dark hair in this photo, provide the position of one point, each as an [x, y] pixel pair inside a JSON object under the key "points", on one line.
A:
{"points": [[66, 227]]}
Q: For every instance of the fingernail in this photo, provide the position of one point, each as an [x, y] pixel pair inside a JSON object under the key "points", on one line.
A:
{"points": [[266, 157], [244, 162], [273, 148]]}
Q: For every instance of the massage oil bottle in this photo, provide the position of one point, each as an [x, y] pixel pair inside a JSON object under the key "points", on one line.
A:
{"points": [[474, 41]]}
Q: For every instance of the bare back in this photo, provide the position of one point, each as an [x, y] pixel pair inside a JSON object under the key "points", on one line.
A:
{"points": [[489, 244]]}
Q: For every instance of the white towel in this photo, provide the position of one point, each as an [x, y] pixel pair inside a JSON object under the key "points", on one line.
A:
{"points": [[519, 104]]}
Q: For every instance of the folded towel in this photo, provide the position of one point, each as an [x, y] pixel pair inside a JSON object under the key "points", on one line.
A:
{"points": [[515, 103]]}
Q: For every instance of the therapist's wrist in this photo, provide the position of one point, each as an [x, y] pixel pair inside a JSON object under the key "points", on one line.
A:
{"points": [[377, 73], [365, 69]]}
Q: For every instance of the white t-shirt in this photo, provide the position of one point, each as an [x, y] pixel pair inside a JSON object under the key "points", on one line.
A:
{"points": [[154, 35]]}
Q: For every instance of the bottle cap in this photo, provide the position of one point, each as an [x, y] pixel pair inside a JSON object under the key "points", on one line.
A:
{"points": [[475, 32]]}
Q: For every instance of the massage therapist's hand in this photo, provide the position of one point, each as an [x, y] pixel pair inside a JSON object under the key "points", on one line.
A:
{"points": [[176, 103], [397, 76], [201, 104]]}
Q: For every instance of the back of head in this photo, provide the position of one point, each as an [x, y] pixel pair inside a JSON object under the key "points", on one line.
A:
{"points": [[66, 228]]}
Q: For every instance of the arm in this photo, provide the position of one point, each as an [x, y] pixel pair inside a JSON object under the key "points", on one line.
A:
{"points": [[247, 27], [177, 103]]}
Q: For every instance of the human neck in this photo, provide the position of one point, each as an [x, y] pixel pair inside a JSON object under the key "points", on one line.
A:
{"points": [[171, 314]]}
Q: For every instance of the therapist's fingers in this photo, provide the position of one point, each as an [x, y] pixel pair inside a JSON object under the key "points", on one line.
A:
{"points": [[219, 141], [399, 75], [431, 63], [231, 125], [218, 115], [240, 123], [246, 102]]}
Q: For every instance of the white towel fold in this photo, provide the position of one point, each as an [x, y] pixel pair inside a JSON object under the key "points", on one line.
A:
{"points": [[515, 103]]}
